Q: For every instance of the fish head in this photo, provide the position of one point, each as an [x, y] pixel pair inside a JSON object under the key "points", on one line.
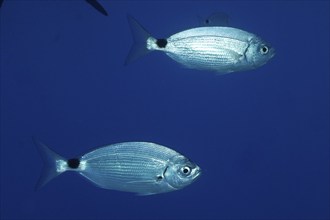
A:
{"points": [[259, 52], [181, 172]]}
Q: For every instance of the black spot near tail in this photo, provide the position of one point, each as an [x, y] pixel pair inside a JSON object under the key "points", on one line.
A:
{"points": [[73, 163], [161, 43]]}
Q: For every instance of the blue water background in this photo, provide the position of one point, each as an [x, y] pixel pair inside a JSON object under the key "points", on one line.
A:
{"points": [[261, 136]]}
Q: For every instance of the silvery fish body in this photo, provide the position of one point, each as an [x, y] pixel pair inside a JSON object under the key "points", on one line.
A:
{"points": [[214, 48], [140, 167]]}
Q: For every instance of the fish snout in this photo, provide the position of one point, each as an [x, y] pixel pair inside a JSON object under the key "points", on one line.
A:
{"points": [[198, 172]]}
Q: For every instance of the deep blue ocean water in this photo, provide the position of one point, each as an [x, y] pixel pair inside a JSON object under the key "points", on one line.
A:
{"points": [[261, 136]]}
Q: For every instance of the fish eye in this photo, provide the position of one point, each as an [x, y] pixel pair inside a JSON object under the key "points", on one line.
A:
{"points": [[186, 170], [264, 50]]}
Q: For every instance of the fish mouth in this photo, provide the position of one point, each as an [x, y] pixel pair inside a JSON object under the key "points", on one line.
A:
{"points": [[198, 172], [272, 53]]}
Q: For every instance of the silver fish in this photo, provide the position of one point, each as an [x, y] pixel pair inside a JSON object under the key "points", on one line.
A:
{"points": [[220, 49], [140, 167]]}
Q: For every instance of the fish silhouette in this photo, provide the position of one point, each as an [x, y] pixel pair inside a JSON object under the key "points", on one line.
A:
{"points": [[94, 3]]}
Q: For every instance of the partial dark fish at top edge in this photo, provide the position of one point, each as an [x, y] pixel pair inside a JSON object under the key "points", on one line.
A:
{"points": [[93, 3], [97, 6]]}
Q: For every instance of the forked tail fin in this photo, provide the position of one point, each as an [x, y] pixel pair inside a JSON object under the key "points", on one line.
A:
{"points": [[140, 37], [54, 164]]}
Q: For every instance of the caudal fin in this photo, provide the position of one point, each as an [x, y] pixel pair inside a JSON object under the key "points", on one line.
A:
{"points": [[54, 164], [140, 37]]}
